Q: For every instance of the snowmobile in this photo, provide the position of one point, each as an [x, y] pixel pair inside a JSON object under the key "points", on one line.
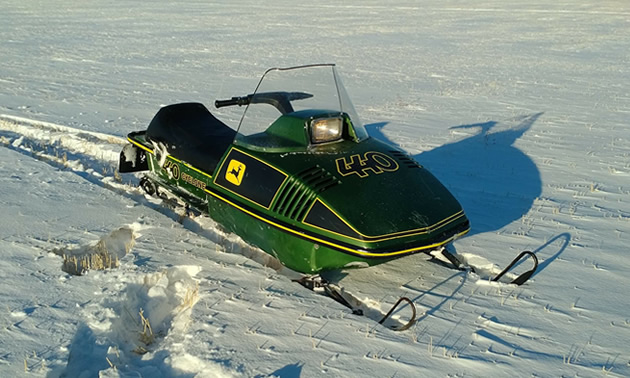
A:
{"points": [[299, 177]]}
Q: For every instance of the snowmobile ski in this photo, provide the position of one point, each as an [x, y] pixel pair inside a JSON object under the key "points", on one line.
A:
{"points": [[322, 286]]}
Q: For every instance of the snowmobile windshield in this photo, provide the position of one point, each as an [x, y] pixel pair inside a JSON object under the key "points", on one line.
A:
{"points": [[299, 107]]}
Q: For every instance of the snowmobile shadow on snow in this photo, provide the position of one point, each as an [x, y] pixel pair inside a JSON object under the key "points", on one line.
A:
{"points": [[443, 298], [565, 238], [495, 182], [288, 371]]}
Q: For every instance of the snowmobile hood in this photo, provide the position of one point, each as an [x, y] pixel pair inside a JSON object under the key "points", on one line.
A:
{"points": [[366, 191]]}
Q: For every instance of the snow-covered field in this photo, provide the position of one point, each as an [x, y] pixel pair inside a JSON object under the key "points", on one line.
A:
{"points": [[521, 109]]}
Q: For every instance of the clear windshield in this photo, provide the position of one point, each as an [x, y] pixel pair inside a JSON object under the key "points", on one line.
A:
{"points": [[287, 90]]}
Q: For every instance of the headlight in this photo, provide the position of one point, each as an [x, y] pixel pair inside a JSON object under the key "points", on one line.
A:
{"points": [[326, 129]]}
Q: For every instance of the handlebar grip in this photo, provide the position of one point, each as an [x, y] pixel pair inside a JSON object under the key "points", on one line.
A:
{"points": [[223, 103], [233, 101]]}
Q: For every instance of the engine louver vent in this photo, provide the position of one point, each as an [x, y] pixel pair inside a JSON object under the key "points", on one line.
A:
{"points": [[405, 159], [318, 179], [300, 191]]}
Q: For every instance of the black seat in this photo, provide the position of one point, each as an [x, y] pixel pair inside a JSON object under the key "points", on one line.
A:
{"points": [[191, 134]]}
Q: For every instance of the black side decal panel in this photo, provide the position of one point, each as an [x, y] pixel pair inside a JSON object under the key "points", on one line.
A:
{"points": [[320, 216], [250, 178]]}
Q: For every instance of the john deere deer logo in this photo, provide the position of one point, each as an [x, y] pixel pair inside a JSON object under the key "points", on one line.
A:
{"points": [[235, 172]]}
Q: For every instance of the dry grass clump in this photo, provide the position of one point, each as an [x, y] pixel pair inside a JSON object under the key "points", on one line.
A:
{"points": [[190, 298], [99, 259], [105, 254]]}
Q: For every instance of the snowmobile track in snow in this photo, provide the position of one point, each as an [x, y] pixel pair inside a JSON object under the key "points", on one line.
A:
{"points": [[92, 156], [88, 154]]}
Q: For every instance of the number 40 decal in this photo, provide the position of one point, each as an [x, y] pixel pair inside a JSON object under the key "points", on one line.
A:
{"points": [[172, 168], [376, 162]]}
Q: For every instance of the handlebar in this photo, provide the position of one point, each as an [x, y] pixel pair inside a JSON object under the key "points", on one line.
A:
{"points": [[240, 101], [280, 100]]}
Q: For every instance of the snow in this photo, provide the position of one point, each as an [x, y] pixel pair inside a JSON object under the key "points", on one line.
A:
{"points": [[521, 109]]}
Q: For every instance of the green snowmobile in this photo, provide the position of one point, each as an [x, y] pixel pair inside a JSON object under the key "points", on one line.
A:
{"points": [[300, 177]]}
